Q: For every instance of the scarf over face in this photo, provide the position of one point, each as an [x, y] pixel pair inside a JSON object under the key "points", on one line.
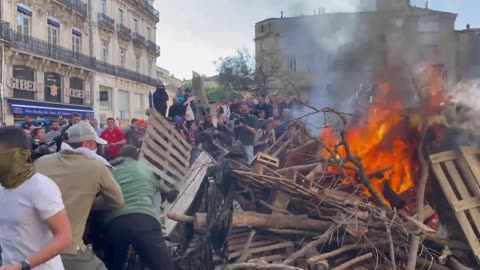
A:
{"points": [[15, 168]]}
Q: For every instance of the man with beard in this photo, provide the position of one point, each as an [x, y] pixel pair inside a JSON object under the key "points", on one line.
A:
{"points": [[85, 183], [34, 226], [55, 131]]}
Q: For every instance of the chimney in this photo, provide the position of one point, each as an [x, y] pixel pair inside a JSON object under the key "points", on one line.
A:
{"points": [[281, 14], [468, 26]]}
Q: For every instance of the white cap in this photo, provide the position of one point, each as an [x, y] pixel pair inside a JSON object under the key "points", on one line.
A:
{"points": [[83, 132]]}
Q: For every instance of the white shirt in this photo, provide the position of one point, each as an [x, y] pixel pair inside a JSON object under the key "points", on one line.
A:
{"points": [[23, 220]]}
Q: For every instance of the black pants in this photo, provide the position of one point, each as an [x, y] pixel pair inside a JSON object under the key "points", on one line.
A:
{"points": [[144, 233]]}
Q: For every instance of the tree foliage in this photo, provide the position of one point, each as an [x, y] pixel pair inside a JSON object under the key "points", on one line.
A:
{"points": [[216, 93], [264, 75], [237, 72]]}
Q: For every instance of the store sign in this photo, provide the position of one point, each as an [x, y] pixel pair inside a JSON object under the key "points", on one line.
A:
{"points": [[31, 86], [76, 93], [22, 84]]}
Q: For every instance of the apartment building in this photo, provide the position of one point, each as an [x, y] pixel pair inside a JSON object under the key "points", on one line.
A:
{"points": [[65, 56], [340, 52], [123, 35], [171, 83]]}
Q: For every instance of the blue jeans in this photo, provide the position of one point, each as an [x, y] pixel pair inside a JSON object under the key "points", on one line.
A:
{"points": [[249, 152]]}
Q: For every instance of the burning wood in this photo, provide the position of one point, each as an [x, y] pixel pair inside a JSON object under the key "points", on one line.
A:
{"points": [[340, 201]]}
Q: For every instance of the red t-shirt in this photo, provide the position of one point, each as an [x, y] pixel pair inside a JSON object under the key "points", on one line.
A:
{"points": [[113, 136]]}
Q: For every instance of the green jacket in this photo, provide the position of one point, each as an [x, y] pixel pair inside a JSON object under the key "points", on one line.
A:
{"points": [[139, 186]]}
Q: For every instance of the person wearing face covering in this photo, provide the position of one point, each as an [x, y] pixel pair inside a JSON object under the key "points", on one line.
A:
{"points": [[85, 182], [34, 226]]}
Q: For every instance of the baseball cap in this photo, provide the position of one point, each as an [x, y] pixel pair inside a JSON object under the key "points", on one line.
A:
{"points": [[83, 132]]}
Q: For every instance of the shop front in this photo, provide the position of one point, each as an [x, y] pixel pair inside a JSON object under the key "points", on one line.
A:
{"points": [[45, 96]]}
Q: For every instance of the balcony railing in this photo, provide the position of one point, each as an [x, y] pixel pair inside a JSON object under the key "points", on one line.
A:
{"points": [[138, 40], [104, 67], [4, 31], [149, 9], [152, 47], [31, 45], [106, 22], [36, 46], [75, 5], [124, 31]]}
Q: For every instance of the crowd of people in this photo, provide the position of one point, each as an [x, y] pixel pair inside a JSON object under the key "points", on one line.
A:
{"points": [[59, 185], [84, 179], [256, 122]]}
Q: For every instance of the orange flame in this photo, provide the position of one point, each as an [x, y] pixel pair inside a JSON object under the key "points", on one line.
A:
{"points": [[385, 137]]}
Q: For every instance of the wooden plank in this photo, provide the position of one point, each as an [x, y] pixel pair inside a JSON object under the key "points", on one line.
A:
{"points": [[187, 194], [462, 190], [472, 162], [469, 178], [173, 165], [252, 251], [466, 204], [170, 130], [461, 216], [444, 156], [157, 136]]}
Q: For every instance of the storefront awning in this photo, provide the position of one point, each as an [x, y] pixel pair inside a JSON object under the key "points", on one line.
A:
{"points": [[44, 109]]}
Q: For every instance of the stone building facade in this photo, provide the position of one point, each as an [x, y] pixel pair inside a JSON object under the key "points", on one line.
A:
{"points": [[54, 64], [342, 52]]}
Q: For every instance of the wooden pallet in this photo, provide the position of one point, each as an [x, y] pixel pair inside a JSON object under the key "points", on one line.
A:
{"points": [[188, 190], [245, 244], [165, 150], [458, 173]]}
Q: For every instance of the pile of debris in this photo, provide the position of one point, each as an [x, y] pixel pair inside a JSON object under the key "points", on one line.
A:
{"points": [[293, 208]]}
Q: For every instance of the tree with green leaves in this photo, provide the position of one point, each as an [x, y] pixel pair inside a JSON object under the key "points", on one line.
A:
{"points": [[243, 74]]}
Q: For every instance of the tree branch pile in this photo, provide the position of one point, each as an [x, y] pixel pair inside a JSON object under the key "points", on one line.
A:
{"points": [[300, 214]]}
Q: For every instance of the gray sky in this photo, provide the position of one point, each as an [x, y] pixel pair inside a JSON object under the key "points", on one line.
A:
{"points": [[195, 33]]}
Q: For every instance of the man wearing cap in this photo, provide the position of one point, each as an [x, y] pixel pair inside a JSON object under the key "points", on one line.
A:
{"points": [[84, 180]]}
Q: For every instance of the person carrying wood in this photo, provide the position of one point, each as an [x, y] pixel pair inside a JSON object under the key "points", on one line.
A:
{"points": [[137, 222]]}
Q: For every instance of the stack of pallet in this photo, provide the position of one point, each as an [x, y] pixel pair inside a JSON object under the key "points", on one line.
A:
{"points": [[296, 213]]}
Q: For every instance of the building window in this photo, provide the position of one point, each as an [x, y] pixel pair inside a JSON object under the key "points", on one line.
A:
{"points": [[292, 64], [138, 101], [105, 98], [53, 87], [135, 25], [23, 23], [104, 51], [76, 43], [103, 6], [149, 34], [262, 28], [76, 91], [120, 16], [149, 69], [23, 83], [427, 25], [122, 57], [123, 104], [137, 63], [52, 35]]}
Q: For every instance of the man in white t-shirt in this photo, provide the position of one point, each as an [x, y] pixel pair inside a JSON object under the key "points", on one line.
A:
{"points": [[34, 226]]}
